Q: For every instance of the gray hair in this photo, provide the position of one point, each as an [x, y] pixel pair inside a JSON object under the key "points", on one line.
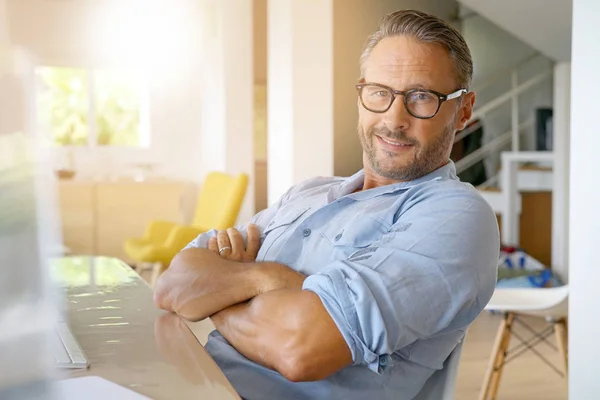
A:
{"points": [[425, 28]]}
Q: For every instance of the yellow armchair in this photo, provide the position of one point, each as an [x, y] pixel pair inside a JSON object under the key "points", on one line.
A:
{"points": [[147, 252], [220, 201], [157, 233], [218, 207]]}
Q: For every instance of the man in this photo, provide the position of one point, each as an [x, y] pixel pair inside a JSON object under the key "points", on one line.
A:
{"points": [[359, 287]]}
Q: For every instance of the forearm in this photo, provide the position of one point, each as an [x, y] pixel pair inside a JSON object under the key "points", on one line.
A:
{"points": [[199, 283], [249, 327], [240, 325], [288, 331], [246, 325]]}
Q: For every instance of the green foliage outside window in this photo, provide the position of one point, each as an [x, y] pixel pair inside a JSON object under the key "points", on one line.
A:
{"points": [[65, 106], [117, 109]]}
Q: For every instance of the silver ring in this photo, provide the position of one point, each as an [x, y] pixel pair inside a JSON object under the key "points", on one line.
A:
{"points": [[221, 250]]}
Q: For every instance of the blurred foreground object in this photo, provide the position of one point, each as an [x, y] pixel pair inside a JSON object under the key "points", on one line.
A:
{"points": [[27, 233]]}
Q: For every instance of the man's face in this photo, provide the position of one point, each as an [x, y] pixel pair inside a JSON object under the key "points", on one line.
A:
{"points": [[396, 145]]}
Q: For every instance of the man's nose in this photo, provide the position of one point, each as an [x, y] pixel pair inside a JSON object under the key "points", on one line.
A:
{"points": [[397, 117]]}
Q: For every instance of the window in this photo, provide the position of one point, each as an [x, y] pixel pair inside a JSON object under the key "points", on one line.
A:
{"points": [[84, 107]]}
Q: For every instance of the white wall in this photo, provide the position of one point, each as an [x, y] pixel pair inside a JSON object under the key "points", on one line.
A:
{"points": [[12, 94], [584, 324], [543, 24], [354, 21], [492, 48], [228, 93], [300, 92], [4, 39], [165, 41], [495, 51]]}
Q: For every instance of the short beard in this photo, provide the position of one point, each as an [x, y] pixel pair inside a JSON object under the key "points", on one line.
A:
{"points": [[425, 159]]}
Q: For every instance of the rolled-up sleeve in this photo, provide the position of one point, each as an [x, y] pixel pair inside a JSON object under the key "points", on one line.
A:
{"points": [[413, 283]]}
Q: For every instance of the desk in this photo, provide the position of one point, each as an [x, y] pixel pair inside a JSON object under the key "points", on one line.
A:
{"points": [[127, 340]]}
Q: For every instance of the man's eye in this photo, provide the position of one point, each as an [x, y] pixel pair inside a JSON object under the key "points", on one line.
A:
{"points": [[381, 93], [420, 97]]}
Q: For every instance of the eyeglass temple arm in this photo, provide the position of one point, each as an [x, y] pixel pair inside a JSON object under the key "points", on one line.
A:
{"points": [[456, 94]]}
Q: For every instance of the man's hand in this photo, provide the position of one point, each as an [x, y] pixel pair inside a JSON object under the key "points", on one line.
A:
{"points": [[199, 283], [229, 244]]}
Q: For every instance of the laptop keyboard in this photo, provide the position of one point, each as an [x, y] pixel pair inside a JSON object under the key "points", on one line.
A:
{"points": [[67, 352]]}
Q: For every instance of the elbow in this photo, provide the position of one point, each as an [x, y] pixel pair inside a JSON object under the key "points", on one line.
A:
{"points": [[301, 366], [291, 347], [291, 357], [301, 371], [294, 370]]}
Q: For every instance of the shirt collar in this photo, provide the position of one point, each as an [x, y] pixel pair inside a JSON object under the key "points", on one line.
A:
{"points": [[354, 182]]}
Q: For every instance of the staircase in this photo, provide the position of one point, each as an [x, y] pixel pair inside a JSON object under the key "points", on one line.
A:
{"points": [[535, 173], [504, 128]]}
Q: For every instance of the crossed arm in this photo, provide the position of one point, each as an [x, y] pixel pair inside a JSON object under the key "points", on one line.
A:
{"points": [[260, 308]]}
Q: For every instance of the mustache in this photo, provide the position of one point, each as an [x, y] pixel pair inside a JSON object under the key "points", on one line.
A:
{"points": [[398, 135]]}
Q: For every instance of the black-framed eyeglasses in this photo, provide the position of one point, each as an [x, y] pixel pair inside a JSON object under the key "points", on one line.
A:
{"points": [[420, 103]]}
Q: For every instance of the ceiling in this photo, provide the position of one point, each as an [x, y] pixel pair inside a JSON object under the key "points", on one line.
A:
{"points": [[543, 24]]}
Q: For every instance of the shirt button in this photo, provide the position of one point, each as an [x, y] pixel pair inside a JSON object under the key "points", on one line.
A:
{"points": [[383, 360], [306, 232], [338, 237]]}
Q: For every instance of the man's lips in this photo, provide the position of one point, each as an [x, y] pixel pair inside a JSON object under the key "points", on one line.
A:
{"points": [[394, 144]]}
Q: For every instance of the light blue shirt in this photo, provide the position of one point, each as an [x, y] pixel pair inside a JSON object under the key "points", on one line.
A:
{"points": [[402, 269]]}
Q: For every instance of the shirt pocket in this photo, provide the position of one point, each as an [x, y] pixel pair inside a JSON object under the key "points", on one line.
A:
{"points": [[280, 224], [358, 232]]}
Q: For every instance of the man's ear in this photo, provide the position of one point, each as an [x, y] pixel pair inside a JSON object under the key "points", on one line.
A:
{"points": [[465, 111]]}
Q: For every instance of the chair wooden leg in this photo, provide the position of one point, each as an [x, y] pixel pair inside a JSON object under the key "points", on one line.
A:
{"points": [[487, 380], [157, 269], [493, 373], [142, 266], [502, 356], [560, 330]]}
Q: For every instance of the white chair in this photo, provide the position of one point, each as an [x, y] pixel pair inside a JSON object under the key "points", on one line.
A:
{"points": [[440, 385], [549, 303]]}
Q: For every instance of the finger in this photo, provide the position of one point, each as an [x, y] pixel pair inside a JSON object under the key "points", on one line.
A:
{"points": [[253, 244], [223, 242], [213, 245], [236, 240]]}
